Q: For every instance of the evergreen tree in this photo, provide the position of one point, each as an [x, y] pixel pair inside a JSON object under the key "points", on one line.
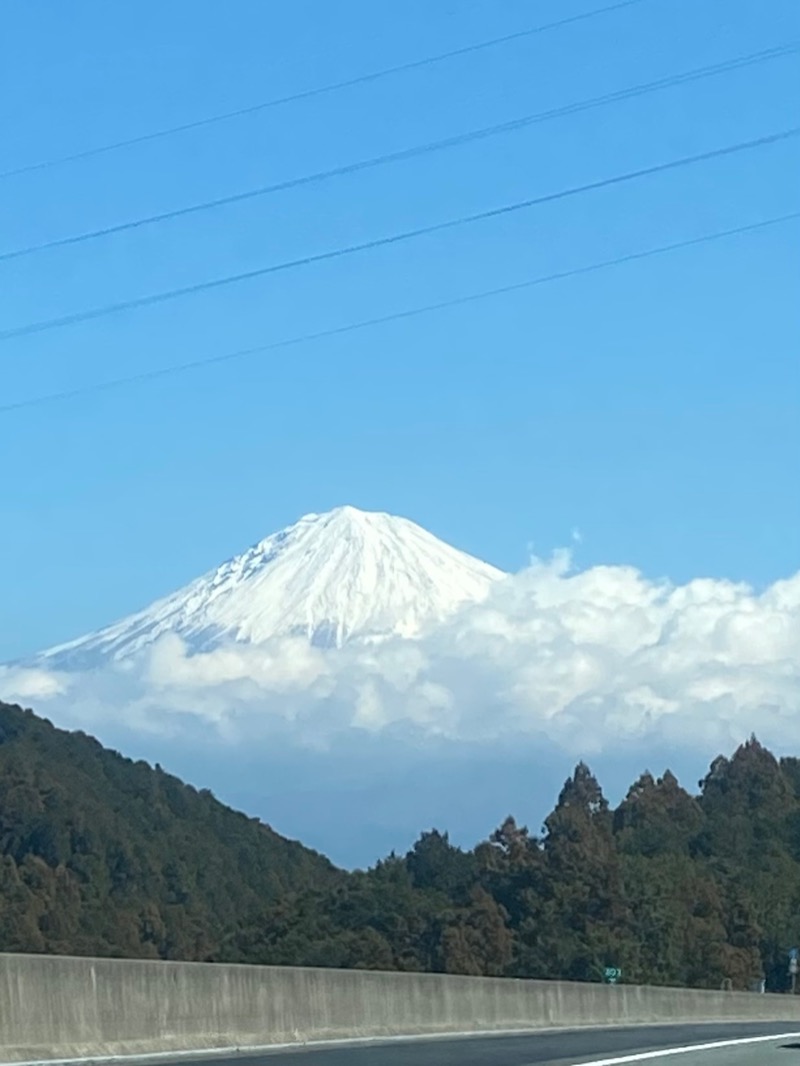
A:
{"points": [[101, 855], [586, 907]]}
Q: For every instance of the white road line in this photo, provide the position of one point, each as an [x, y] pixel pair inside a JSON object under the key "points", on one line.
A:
{"points": [[235, 1051], [645, 1056]]}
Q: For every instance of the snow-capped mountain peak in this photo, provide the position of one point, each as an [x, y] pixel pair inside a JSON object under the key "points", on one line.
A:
{"points": [[335, 577]]}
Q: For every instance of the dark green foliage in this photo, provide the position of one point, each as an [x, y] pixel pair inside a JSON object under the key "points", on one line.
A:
{"points": [[102, 855]]}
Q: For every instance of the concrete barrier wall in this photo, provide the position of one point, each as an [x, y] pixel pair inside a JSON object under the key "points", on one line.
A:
{"points": [[56, 1008]]}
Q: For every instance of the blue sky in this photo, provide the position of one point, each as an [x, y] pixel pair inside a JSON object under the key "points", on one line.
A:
{"points": [[655, 406]]}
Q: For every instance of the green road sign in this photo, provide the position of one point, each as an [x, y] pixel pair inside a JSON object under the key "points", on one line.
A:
{"points": [[612, 974]]}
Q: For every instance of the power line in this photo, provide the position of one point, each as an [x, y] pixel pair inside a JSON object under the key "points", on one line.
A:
{"points": [[320, 90], [397, 316], [409, 153], [395, 238]]}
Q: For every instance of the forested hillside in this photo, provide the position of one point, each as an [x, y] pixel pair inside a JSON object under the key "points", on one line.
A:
{"points": [[103, 855], [670, 888]]}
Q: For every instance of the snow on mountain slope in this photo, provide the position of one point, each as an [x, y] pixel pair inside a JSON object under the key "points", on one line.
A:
{"points": [[336, 577]]}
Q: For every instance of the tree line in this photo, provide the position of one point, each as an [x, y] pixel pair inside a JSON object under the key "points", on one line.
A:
{"points": [[105, 856]]}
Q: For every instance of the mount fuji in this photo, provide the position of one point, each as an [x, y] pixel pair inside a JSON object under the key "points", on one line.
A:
{"points": [[336, 578]]}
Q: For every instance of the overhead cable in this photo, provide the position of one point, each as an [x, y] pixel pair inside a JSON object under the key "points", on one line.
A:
{"points": [[397, 316], [410, 153], [320, 90], [395, 238]]}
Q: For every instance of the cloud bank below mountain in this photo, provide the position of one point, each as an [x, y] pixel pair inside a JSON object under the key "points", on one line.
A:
{"points": [[586, 660]]}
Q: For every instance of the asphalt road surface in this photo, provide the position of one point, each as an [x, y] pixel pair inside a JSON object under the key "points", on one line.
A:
{"points": [[557, 1049]]}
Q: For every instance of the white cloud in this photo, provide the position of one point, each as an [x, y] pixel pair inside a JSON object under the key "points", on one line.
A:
{"points": [[31, 684], [587, 659]]}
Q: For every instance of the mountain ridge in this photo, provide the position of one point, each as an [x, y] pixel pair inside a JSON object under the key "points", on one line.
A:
{"points": [[102, 854], [331, 578]]}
